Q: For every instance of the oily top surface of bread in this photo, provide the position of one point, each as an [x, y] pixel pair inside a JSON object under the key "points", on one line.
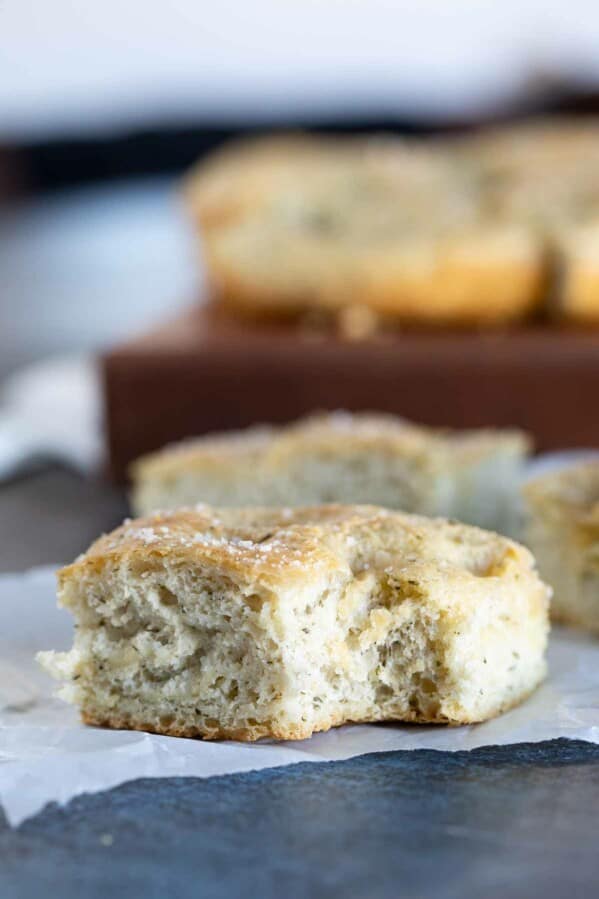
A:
{"points": [[573, 491], [337, 433], [280, 548]]}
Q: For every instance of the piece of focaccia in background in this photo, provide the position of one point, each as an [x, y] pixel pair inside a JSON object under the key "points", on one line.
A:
{"points": [[473, 476], [258, 623], [562, 530], [291, 226], [546, 175]]}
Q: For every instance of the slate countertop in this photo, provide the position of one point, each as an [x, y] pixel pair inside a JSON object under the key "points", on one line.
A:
{"points": [[501, 822], [496, 822]]}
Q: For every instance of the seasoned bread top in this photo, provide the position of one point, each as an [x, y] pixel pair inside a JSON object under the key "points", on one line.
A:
{"points": [[284, 548], [334, 434]]}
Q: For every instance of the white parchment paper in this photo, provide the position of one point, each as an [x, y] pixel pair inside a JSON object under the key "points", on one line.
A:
{"points": [[46, 755]]}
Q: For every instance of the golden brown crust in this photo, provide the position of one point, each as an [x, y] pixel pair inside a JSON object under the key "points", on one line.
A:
{"points": [[232, 539], [283, 546], [446, 293]]}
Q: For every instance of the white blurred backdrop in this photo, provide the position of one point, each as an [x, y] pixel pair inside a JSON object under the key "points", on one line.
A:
{"points": [[68, 65]]}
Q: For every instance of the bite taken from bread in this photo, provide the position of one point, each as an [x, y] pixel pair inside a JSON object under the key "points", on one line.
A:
{"points": [[251, 623]]}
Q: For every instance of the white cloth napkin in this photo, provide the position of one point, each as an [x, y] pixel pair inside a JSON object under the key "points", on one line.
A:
{"points": [[51, 411]]}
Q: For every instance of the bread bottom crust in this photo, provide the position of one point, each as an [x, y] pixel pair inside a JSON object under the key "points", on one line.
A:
{"points": [[498, 309], [251, 734], [580, 300], [460, 288]]}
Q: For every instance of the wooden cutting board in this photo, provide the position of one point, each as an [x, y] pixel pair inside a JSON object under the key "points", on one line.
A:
{"points": [[202, 372]]}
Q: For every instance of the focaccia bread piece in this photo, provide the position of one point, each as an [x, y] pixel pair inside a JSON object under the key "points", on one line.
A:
{"points": [[292, 225], [472, 476], [563, 532], [253, 623], [546, 174]]}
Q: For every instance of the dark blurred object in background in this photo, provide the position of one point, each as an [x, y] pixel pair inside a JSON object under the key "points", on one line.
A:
{"points": [[56, 163], [12, 166]]}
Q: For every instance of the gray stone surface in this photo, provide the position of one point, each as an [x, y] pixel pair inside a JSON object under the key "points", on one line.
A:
{"points": [[53, 515], [497, 822]]}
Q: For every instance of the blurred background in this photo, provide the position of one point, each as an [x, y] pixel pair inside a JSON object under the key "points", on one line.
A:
{"points": [[104, 105]]}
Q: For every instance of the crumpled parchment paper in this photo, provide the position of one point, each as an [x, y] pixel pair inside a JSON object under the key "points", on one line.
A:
{"points": [[46, 755]]}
